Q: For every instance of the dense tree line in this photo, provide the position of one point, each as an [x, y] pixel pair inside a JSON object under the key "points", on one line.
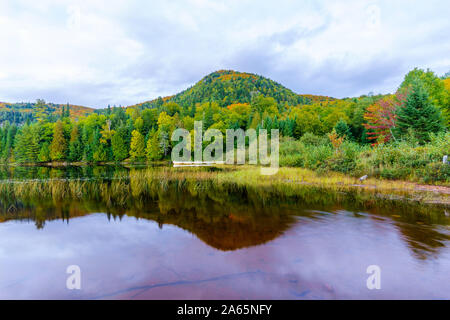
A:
{"points": [[22, 112], [143, 132]]}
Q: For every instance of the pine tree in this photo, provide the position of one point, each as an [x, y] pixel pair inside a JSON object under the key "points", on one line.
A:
{"points": [[342, 129], [418, 114], [44, 153], [137, 146], [2, 138], [208, 117], [86, 140], [75, 145], [193, 110], [67, 114], [9, 145], [58, 145], [26, 145]]}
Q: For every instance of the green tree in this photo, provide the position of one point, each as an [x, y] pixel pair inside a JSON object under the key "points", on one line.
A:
{"points": [[119, 144], [342, 129], [41, 110], [208, 117], [58, 145], [153, 150], [434, 86], [75, 145], [99, 152], [44, 153], [418, 114], [26, 145], [11, 131], [137, 146], [263, 104]]}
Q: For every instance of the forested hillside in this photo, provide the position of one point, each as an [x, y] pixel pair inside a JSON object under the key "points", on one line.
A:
{"points": [[226, 87], [396, 135], [19, 113]]}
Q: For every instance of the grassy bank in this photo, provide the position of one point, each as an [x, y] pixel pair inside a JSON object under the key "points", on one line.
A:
{"points": [[140, 191], [405, 160], [294, 181], [286, 182]]}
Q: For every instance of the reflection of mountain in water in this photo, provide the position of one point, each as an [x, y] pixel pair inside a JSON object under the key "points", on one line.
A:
{"points": [[221, 224], [223, 216]]}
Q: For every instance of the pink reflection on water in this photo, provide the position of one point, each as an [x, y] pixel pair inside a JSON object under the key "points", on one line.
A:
{"points": [[324, 257]]}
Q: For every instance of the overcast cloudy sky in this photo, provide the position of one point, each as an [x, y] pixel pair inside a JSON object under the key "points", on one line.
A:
{"points": [[96, 53]]}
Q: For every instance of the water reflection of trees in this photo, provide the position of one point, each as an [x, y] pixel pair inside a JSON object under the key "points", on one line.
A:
{"points": [[224, 216]]}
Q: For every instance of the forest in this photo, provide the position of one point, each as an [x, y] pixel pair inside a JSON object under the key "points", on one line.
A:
{"points": [[402, 135]]}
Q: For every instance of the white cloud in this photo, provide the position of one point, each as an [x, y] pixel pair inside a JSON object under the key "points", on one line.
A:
{"points": [[123, 52]]}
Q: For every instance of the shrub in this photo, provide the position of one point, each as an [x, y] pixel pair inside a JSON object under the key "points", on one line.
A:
{"points": [[313, 140], [395, 160], [436, 172]]}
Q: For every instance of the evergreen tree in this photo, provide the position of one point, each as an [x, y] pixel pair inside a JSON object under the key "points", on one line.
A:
{"points": [[342, 129], [153, 150], [26, 145], [2, 140], [58, 145], [75, 145], [208, 117], [193, 110], [67, 114], [86, 139], [418, 114], [44, 153], [100, 153], [119, 144], [9, 143]]}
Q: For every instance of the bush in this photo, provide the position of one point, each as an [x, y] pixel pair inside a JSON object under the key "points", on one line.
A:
{"points": [[346, 158], [436, 172], [310, 139], [395, 160]]}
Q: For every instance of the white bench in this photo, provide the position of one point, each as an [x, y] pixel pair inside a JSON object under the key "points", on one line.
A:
{"points": [[195, 163]]}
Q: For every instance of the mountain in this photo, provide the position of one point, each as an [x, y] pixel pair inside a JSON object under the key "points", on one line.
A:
{"points": [[227, 87]]}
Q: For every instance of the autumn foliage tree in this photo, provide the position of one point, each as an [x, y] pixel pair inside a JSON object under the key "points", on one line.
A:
{"points": [[381, 118], [336, 140], [58, 145], [137, 146]]}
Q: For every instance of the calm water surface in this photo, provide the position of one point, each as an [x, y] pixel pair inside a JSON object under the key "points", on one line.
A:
{"points": [[176, 242]]}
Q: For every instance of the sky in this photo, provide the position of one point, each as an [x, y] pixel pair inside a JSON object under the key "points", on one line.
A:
{"points": [[96, 52]]}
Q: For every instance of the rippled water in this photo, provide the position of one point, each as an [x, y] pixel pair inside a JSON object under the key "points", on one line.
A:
{"points": [[181, 243]]}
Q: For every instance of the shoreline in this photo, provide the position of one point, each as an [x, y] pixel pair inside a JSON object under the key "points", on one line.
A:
{"points": [[286, 177]]}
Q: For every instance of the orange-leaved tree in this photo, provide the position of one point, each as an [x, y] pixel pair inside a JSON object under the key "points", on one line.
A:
{"points": [[381, 118]]}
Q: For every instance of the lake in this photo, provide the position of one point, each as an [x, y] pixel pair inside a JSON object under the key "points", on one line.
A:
{"points": [[136, 236]]}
